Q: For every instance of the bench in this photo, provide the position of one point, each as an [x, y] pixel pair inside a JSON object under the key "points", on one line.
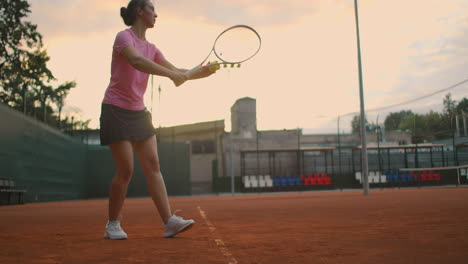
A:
{"points": [[8, 187]]}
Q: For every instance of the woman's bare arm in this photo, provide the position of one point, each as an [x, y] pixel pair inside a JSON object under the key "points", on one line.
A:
{"points": [[148, 66]]}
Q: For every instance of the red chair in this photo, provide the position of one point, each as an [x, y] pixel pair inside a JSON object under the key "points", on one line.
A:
{"points": [[424, 176], [306, 181], [327, 181], [320, 181], [313, 181]]}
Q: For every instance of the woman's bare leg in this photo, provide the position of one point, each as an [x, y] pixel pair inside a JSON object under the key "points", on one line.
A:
{"points": [[123, 158], [147, 153]]}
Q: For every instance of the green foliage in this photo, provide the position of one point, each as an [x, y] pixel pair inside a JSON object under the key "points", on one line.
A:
{"points": [[356, 125], [431, 126], [426, 127], [393, 120], [25, 79]]}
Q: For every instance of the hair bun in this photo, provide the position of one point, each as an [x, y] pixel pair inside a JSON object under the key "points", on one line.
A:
{"points": [[123, 11], [124, 15]]}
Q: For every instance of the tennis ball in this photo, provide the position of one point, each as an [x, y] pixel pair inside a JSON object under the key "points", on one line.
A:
{"points": [[213, 67]]}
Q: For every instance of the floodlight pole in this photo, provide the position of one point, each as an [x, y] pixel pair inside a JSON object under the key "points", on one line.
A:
{"points": [[364, 162], [231, 152]]}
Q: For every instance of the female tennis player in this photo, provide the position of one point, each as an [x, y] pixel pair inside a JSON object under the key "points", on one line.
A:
{"points": [[126, 125]]}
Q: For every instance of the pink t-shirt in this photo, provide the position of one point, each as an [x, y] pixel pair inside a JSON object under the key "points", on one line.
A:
{"points": [[127, 84]]}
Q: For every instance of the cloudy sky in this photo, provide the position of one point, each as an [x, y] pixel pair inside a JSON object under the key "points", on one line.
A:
{"points": [[304, 76]]}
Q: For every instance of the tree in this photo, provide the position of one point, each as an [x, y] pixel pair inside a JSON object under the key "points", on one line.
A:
{"points": [[462, 106], [15, 34], [393, 120], [18, 42], [449, 105], [356, 125], [25, 79], [58, 97]]}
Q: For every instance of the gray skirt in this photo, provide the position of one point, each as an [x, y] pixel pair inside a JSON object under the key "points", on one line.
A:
{"points": [[118, 124]]}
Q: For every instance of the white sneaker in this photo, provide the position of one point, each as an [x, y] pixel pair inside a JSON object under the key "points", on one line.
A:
{"points": [[114, 231], [177, 224]]}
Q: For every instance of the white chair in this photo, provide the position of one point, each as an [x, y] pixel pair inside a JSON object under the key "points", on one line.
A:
{"points": [[382, 177], [261, 181], [463, 172], [378, 176], [246, 181], [268, 181], [358, 176], [374, 177], [253, 181]]}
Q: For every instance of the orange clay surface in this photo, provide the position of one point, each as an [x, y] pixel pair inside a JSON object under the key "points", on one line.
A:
{"points": [[388, 226]]}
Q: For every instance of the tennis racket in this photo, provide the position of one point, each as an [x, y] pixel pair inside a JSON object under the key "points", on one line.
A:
{"points": [[232, 47]]}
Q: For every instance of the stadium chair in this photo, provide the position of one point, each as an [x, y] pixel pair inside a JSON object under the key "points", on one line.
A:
{"points": [[327, 181], [371, 176], [402, 176], [313, 181], [409, 177], [463, 172], [436, 176], [378, 177], [320, 180], [284, 181], [246, 181], [261, 181], [254, 181], [307, 182], [386, 176], [383, 178], [396, 177], [358, 176], [277, 181], [305, 179], [430, 175], [423, 176], [268, 181], [390, 177], [298, 180], [291, 181]]}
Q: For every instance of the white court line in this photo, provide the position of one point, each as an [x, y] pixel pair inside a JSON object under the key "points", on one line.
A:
{"points": [[219, 242]]}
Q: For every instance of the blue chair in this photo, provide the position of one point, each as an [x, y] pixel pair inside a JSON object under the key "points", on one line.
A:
{"points": [[409, 177], [284, 181], [291, 180], [298, 180], [394, 176], [389, 176], [277, 181], [402, 177]]}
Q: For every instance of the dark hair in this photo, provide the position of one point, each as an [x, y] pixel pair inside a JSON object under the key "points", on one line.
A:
{"points": [[129, 13]]}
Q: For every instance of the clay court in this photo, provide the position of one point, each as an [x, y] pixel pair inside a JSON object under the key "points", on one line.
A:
{"points": [[427, 225]]}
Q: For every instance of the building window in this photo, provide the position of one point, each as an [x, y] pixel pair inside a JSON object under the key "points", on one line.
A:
{"points": [[203, 147]]}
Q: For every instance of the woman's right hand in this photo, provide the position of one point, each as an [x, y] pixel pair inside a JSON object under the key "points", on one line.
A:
{"points": [[178, 78]]}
